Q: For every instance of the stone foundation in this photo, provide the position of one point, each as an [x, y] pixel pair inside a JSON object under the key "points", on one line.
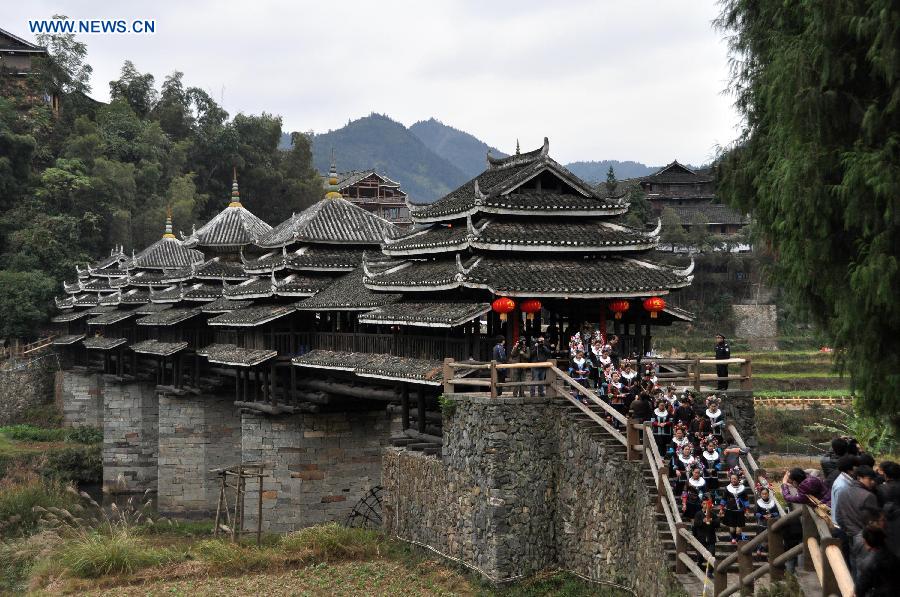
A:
{"points": [[521, 487], [80, 397], [322, 464], [130, 436], [26, 388], [196, 434]]}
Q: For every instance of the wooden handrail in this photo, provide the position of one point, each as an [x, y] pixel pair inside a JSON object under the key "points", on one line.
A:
{"points": [[590, 393], [594, 416]]}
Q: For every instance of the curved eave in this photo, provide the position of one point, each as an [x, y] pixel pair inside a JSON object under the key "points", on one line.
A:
{"points": [[414, 380], [560, 247], [571, 294], [295, 293], [606, 210], [248, 296], [424, 249], [449, 285]]}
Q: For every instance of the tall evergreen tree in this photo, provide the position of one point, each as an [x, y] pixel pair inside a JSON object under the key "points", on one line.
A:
{"points": [[818, 163]]}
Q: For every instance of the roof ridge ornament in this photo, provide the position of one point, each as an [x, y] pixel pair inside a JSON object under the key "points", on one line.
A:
{"points": [[688, 270], [545, 150], [655, 232], [235, 193], [518, 151], [168, 231], [479, 195]]}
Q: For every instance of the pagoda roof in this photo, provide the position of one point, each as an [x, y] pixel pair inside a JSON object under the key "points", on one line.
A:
{"points": [[346, 293], [111, 318], [67, 340], [100, 309], [709, 213], [605, 276], [155, 347], [102, 343], [133, 296], [68, 316], [214, 269], [516, 235], [252, 316], [312, 258], [330, 221], [151, 308], [86, 300], [168, 252], [677, 173], [229, 354], [145, 278], [192, 292], [116, 257], [264, 287], [375, 365], [234, 226], [223, 305], [168, 317], [499, 189], [348, 179], [66, 303], [435, 314]]}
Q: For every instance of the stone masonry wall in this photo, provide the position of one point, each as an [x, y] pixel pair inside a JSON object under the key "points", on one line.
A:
{"points": [[196, 434], [80, 397], [519, 488], [25, 388], [322, 464], [130, 436]]}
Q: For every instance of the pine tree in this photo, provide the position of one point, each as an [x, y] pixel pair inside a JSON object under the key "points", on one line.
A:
{"points": [[818, 163], [611, 182]]}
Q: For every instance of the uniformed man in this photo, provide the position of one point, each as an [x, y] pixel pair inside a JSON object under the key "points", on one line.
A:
{"points": [[723, 351]]}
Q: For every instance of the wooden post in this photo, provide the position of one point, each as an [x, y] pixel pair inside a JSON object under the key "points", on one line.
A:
{"points": [[420, 399], [237, 385], [448, 375], [404, 405], [631, 436], [697, 376], [680, 548], [550, 378], [720, 581], [776, 548], [660, 487], [746, 375], [829, 581], [493, 379], [293, 381], [745, 567], [809, 530]]}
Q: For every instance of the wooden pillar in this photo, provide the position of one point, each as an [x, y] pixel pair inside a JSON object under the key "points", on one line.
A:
{"points": [[404, 405], [196, 370], [293, 375], [420, 395], [776, 548], [267, 391], [237, 385], [242, 371]]}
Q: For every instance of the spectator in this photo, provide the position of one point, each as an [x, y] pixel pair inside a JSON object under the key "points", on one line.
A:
{"points": [[499, 355], [799, 488], [879, 576], [723, 351], [539, 353], [519, 354], [845, 467], [614, 354], [889, 491], [829, 461], [854, 499]]}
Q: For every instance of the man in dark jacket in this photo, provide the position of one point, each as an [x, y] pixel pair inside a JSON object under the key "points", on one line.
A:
{"points": [[829, 461], [879, 573], [723, 351], [889, 491], [539, 353], [855, 499], [499, 355]]}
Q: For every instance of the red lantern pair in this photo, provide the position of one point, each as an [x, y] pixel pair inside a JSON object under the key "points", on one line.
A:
{"points": [[503, 305]]}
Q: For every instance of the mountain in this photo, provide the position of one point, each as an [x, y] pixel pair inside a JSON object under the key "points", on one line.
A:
{"points": [[387, 146], [461, 149], [595, 172]]}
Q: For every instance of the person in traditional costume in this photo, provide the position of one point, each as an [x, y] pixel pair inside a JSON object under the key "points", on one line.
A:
{"points": [[661, 423], [684, 413], [698, 429], [580, 369], [716, 416], [627, 374], [693, 494], [734, 506], [706, 523], [595, 355], [681, 465], [679, 441], [712, 463], [672, 398], [766, 510]]}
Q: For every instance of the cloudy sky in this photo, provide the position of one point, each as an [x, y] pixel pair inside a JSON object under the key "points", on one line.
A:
{"points": [[638, 80]]}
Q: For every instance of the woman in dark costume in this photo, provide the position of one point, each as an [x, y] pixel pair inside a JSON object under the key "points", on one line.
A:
{"points": [[679, 441], [734, 507], [693, 494], [715, 416], [766, 510], [681, 465], [712, 464], [661, 423], [706, 523], [697, 430]]}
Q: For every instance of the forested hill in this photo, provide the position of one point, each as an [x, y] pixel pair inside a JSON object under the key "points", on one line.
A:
{"points": [[596, 171], [461, 149], [378, 142]]}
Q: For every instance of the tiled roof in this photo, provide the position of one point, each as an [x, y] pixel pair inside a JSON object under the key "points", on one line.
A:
{"points": [[709, 213], [67, 340], [101, 343], [581, 277], [232, 227], [229, 354], [168, 317], [214, 269], [426, 314], [380, 366], [348, 179], [194, 292], [677, 173], [100, 309], [66, 303], [86, 300], [68, 316], [346, 293], [252, 288], [135, 297], [111, 318], [323, 258], [300, 285], [223, 305], [155, 347], [168, 252], [331, 221], [147, 309], [252, 316], [524, 235], [146, 278]]}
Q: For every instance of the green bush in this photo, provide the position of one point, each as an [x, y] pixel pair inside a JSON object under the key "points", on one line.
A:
{"points": [[31, 433], [333, 542], [81, 464], [86, 435], [222, 554], [94, 554]]}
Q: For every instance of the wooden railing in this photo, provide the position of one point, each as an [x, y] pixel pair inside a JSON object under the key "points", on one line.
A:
{"points": [[695, 372], [17, 350]]}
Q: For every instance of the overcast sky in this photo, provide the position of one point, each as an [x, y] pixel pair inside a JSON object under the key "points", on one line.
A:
{"points": [[629, 80]]}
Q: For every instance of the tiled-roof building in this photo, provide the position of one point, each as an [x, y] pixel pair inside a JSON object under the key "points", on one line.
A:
{"points": [[372, 191]]}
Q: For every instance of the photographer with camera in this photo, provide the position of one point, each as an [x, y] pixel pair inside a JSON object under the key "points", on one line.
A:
{"points": [[519, 354]]}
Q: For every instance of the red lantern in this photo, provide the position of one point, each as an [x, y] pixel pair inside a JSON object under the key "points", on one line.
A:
{"points": [[654, 305], [530, 307], [503, 305], [619, 307]]}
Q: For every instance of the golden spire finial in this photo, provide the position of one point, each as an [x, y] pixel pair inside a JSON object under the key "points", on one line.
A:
{"points": [[332, 187], [168, 233], [235, 194]]}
